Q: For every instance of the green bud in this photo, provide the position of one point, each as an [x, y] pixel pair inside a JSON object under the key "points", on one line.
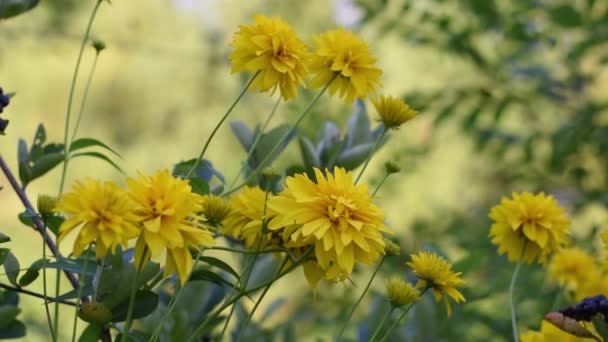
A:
{"points": [[95, 312], [46, 204], [391, 248], [99, 45], [391, 167], [270, 172]]}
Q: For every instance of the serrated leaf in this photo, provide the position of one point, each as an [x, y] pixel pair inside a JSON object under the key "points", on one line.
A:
{"points": [[98, 155], [4, 238], [242, 133], [90, 334], [215, 262], [90, 142], [7, 314], [145, 302], [11, 268]]}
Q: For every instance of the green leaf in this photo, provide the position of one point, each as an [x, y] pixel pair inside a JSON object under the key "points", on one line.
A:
{"points": [[242, 133], [12, 8], [4, 252], [146, 301], [11, 268], [199, 186], [87, 290], [203, 274], [7, 314], [117, 293], [4, 238], [309, 155], [89, 142], [565, 16], [601, 327], [15, 329], [54, 222], [32, 272], [45, 164], [90, 334], [74, 265], [98, 155], [221, 265]]}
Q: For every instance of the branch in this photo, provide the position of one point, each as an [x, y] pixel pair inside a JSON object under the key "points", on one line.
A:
{"points": [[35, 294]]}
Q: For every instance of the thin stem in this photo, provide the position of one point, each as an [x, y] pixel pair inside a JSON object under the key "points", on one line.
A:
{"points": [[380, 184], [371, 153], [84, 98], [219, 124], [381, 324], [388, 332], [82, 275], [255, 143], [45, 292], [66, 147], [244, 251], [56, 307], [352, 311], [512, 302], [129, 321], [283, 138], [36, 294]]}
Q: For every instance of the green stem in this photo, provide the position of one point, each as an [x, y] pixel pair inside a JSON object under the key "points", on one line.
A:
{"points": [[56, 308], [219, 124], [381, 324], [352, 311], [380, 184], [84, 99], [44, 288], [371, 153], [66, 147], [79, 297], [283, 138], [131, 307], [512, 302], [255, 143], [401, 317]]}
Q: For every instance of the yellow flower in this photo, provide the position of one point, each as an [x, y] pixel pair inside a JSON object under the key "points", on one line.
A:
{"points": [[436, 273], [167, 208], [272, 47], [342, 55], [105, 213], [393, 111], [595, 285], [246, 219], [535, 222], [550, 333], [400, 292], [573, 267], [215, 209], [335, 216]]}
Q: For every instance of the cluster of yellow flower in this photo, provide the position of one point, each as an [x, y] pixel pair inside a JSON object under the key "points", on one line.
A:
{"points": [[579, 272]]}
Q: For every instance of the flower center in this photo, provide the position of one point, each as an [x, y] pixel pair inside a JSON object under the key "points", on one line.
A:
{"points": [[340, 209]]}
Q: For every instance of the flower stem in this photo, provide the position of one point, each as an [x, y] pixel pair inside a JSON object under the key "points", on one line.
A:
{"points": [[66, 147], [36, 294], [388, 332], [131, 307], [82, 279], [255, 142], [381, 324], [56, 308], [380, 184], [283, 138], [352, 311], [44, 289], [512, 302], [371, 153], [84, 99], [219, 124]]}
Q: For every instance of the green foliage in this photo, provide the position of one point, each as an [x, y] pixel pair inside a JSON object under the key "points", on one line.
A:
{"points": [[12, 8]]}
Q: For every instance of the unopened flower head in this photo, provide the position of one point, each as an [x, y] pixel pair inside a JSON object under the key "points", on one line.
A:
{"points": [[573, 268], [343, 57], [391, 248], [271, 47], [104, 212], [246, 219], [167, 209], [46, 204], [393, 112], [335, 216], [215, 209], [400, 292], [436, 273], [529, 227], [392, 167]]}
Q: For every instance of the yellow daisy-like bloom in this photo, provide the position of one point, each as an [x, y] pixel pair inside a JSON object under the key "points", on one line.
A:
{"points": [[535, 222], [104, 211], [343, 57], [271, 47], [246, 219], [334, 215], [595, 285], [400, 292], [573, 267], [550, 333], [436, 273], [168, 208], [393, 112]]}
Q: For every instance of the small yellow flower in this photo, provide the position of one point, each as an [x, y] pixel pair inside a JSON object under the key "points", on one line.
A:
{"points": [[436, 273], [535, 222], [105, 213], [391, 248], [573, 268], [215, 209], [272, 47], [345, 58], [167, 209], [400, 292], [393, 112], [335, 216], [246, 219], [550, 333], [596, 284]]}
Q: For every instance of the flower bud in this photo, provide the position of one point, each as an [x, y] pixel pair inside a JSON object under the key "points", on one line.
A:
{"points": [[391, 248], [46, 204], [99, 45], [400, 292], [392, 167], [95, 312], [215, 209], [270, 172]]}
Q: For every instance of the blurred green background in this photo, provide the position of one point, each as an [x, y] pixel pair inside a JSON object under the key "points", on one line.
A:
{"points": [[512, 97]]}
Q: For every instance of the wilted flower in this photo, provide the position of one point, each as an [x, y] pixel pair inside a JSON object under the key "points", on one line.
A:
{"points": [[343, 57], [167, 209], [105, 213], [271, 47], [535, 222], [400, 292], [436, 273], [393, 112]]}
